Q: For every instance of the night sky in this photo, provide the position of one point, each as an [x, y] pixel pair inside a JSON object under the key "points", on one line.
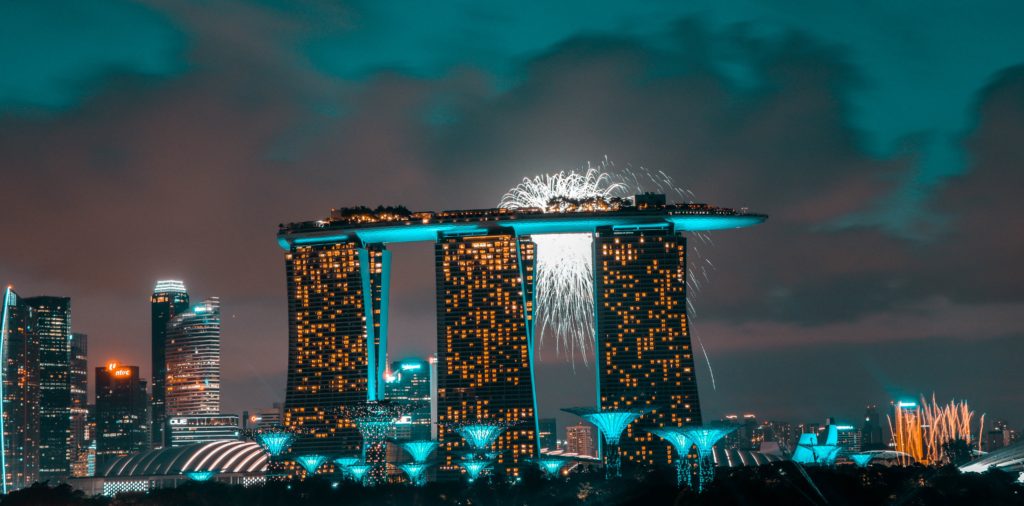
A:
{"points": [[142, 141]]}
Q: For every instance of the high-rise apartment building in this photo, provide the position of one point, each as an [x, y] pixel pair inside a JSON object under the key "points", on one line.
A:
{"points": [[485, 340], [169, 298], [644, 357], [52, 324], [192, 381], [579, 439], [872, 437], [78, 441], [122, 414], [408, 382], [19, 409], [337, 334]]}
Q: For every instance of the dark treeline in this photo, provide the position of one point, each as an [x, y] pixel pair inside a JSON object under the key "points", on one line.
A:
{"points": [[782, 483]]}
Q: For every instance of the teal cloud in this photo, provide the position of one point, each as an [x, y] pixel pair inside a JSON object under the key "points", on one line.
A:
{"points": [[53, 54]]}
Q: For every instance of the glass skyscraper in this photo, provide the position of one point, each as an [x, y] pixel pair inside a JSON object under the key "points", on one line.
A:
{"points": [[409, 383], [52, 324], [122, 414], [644, 358], [484, 341], [78, 443], [19, 437], [192, 382], [169, 298]]}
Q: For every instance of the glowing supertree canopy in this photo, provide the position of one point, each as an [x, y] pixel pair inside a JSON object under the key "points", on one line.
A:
{"points": [[564, 264], [358, 471], [551, 466], [825, 454], [705, 438], [480, 434], [275, 440], [861, 459], [419, 450], [676, 436], [345, 462], [474, 468], [200, 475], [611, 424], [311, 462], [414, 471]]}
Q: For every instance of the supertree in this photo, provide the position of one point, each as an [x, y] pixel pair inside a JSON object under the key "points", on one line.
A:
{"points": [[200, 475], [611, 423], [375, 422], [861, 459], [311, 462], [419, 451], [552, 466], [479, 435], [676, 436], [276, 441], [705, 438]]}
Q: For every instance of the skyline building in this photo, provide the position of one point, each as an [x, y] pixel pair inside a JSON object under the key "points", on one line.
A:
{"points": [[408, 382], [485, 341], [19, 409], [644, 358], [78, 438], [122, 412], [52, 324], [872, 435], [548, 435], [579, 439], [168, 299], [192, 355], [336, 324]]}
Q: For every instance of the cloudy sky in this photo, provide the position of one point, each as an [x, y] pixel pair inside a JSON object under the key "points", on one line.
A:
{"points": [[163, 139]]}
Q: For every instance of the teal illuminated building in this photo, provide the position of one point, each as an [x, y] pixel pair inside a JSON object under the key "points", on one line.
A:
{"points": [[338, 278], [52, 325], [19, 409]]}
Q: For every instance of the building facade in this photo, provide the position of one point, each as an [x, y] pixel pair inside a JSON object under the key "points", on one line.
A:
{"points": [[20, 403], [169, 298], [52, 326], [192, 355], [122, 414], [548, 435], [337, 334], [79, 438], [644, 357], [408, 382], [579, 440], [485, 341]]}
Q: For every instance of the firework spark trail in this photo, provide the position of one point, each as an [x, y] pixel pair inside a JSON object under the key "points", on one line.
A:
{"points": [[922, 433], [564, 263]]}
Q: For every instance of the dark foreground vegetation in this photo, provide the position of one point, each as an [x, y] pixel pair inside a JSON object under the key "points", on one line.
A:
{"points": [[782, 483]]}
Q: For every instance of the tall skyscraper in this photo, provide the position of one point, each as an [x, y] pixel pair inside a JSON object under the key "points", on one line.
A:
{"points": [[192, 381], [122, 421], [337, 331], [169, 298], [52, 324], [19, 410], [409, 383], [871, 431], [644, 358], [484, 340], [78, 442]]}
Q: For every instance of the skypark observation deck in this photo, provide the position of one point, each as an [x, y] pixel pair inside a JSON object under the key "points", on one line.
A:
{"points": [[489, 264], [396, 225]]}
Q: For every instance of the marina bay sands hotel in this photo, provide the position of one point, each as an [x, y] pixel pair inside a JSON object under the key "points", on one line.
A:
{"points": [[338, 271]]}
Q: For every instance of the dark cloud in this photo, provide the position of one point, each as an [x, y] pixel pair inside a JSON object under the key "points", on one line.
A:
{"points": [[188, 176]]}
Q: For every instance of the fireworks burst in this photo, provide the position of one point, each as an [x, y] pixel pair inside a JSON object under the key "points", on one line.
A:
{"points": [[564, 299], [564, 263]]}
